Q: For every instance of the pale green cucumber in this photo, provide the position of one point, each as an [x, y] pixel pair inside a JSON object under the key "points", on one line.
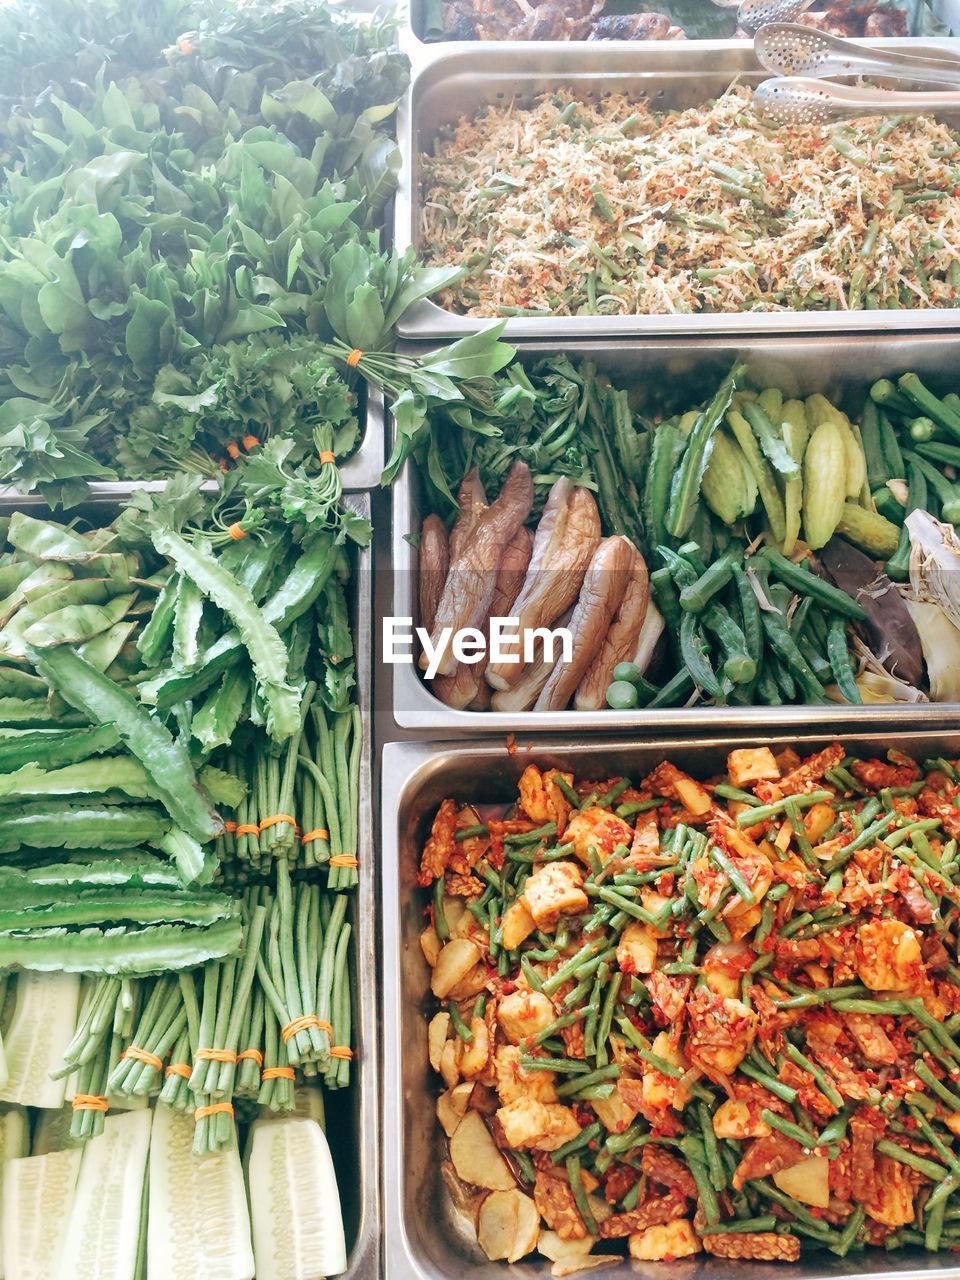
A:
{"points": [[43, 1025], [104, 1226], [294, 1202], [198, 1224], [38, 1194]]}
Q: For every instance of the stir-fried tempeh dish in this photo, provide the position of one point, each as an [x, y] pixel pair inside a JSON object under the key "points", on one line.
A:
{"points": [[605, 207], [681, 1015]]}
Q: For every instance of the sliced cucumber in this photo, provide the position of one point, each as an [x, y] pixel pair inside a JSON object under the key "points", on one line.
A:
{"points": [[104, 1226], [198, 1222], [294, 1202], [38, 1193], [43, 1025]]}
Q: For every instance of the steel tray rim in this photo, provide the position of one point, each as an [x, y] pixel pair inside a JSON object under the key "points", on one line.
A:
{"points": [[361, 470]]}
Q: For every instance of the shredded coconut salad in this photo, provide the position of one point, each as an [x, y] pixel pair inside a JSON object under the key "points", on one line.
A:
{"points": [[604, 207]]}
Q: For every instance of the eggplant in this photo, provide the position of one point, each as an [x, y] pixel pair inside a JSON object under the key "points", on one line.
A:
{"points": [[890, 629]]}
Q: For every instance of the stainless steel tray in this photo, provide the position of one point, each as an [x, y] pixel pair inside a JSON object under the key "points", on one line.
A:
{"points": [[427, 1241], [845, 367], [360, 471], [353, 1116], [412, 39], [455, 79]]}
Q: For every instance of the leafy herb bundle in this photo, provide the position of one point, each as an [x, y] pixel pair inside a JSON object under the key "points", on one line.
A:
{"points": [[182, 245]]}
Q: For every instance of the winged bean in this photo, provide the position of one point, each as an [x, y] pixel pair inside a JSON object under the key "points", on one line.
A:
{"points": [[164, 758], [49, 825], [76, 623]]}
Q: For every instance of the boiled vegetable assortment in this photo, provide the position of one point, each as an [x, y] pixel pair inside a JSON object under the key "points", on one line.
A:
{"points": [[773, 531], [680, 1015]]}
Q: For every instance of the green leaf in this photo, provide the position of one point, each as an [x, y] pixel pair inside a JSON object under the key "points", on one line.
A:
{"points": [[379, 170], [349, 268], [148, 335], [422, 282], [299, 98], [365, 322], [478, 355]]}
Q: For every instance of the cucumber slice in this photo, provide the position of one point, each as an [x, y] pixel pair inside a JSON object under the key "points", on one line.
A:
{"points": [[43, 1025], [294, 1202], [104, 1227], [38, 1192], [198, 1223]]}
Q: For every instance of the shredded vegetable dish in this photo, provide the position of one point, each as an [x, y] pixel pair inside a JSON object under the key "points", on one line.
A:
{"points": [[722, 1016], [603, 207]]}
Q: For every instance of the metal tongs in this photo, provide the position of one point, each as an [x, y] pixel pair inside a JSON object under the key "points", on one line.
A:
{"points": [[754, 14], [803, 57], [789, 49], [799, 100]]}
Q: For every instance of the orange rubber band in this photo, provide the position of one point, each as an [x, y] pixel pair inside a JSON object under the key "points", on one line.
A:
{"points": [[354, 358], [297, 1025], [325, 1026], [318, 833], [253, 1054], [279, 1073], [344, 860], [216, 1109], [214, 1055], [89, 1102], [277, 818], [247, 829], [250, 442], [237, 532], [230, 826], [327, 456], [143, 1055], [179, 1069], [342, 1051], [233, 449]]}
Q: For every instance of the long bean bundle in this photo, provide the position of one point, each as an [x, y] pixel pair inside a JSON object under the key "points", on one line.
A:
{"points": [[713, 1015]]}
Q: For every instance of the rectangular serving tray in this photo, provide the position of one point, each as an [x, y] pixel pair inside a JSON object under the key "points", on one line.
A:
{"points": [[426, 1238], [411, 33], [800, 366], [353, 1114], [456, 79]]}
